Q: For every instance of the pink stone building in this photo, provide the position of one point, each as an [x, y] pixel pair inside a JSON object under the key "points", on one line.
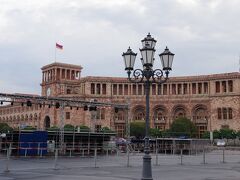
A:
{"points": [[210, 101]]}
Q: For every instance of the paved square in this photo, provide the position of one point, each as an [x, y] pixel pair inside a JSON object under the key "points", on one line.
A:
{"points": [[115, 168]]}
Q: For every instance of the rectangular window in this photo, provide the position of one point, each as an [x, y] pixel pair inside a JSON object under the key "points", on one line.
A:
{"points": [[104, 89], [102, 114], [185, 90], [68, 74], [165, 89], [205, 88], [114, 89], [154, 89], [179, 88], [92, 88], [217, 84], [219, 111], [173, 88], [120, 130], [230, 116], [120, 86], [194, 88], [97, 115], [134, 89], [125, 89], [224, 86], [230, 86], [199, 88], [58, 74], [67, 115], [224, 113], [139, 89], [98, 88], [63, 74]]}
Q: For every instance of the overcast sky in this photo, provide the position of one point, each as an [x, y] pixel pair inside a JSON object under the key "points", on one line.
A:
{"points": [[203, 34]]}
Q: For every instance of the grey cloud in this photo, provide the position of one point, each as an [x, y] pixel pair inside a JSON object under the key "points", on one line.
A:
{"points": [[202, 34]]}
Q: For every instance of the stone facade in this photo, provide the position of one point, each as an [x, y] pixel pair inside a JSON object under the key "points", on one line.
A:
{"points": [[210, 101]]}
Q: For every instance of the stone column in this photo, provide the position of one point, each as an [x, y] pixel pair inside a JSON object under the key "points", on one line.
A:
{"points": [[182, 90], [161, 89], [129, 89], [227, 90], [51, 74], [118, 89], [197, 88], [190, 88], [42, 77]]}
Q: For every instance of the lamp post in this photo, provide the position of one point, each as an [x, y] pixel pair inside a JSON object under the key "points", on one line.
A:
{"points": [[147, 75]]}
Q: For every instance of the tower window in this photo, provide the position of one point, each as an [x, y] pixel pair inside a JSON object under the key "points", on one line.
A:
{"points": [[224, 86], [230, 86], [104, 89], [217, 87], [67, 115], [92, 88], [98, 89], [194, 88]]}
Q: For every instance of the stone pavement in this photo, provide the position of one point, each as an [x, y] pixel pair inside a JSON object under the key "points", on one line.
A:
{"points": [[115, 168]]}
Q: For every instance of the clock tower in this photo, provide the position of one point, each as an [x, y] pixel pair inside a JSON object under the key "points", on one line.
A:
{"points": [[59, 79]]}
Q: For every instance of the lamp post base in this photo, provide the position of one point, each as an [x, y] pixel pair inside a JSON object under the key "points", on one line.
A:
{"points": [[147, 167]]}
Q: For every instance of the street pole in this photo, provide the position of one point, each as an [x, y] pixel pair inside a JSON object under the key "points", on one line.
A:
{"points": [[147, 167], [147, 75]]}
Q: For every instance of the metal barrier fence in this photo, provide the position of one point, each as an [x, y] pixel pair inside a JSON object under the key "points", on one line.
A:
{"points": [[104, 156]]}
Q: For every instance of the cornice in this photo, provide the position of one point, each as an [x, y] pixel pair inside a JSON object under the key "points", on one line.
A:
{"points": [[61, 65]]}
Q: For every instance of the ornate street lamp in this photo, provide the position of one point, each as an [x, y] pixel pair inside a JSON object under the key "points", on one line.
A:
{"points": [[147, 75]]}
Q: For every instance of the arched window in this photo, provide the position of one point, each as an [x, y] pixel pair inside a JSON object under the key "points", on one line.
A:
{"points": [[159, 114], [120, 115], [139, 114], [179, 111], [47, 122]]}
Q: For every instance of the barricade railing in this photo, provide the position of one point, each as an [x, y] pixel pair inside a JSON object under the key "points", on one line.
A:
{"points": [[206, 155]]}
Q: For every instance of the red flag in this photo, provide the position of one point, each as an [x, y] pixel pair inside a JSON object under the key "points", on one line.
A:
{"points": [[58, 46]]}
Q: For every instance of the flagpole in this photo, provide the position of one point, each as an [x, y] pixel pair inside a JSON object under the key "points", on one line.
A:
{"points": [[55, 53], [239, 64]]}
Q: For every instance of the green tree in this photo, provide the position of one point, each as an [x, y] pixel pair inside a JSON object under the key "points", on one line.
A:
{"points": [[154, 132], [227, 133], [53, 128], [68, 127], [206, 135], [137, 129], [166, 133], [5, 128], [216, 134], [183, 127], [82, 128], [29, 128]]}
